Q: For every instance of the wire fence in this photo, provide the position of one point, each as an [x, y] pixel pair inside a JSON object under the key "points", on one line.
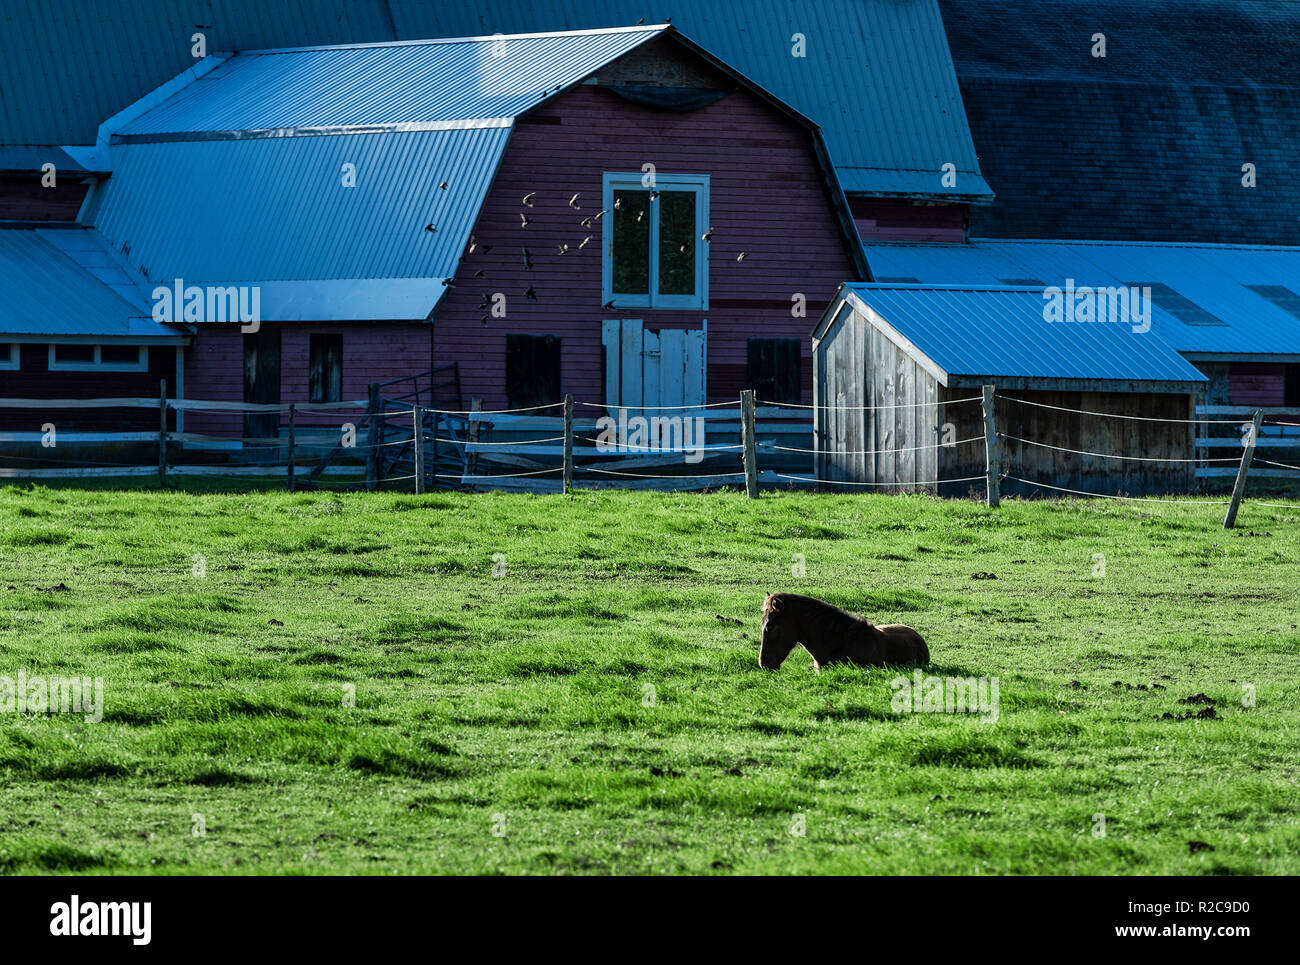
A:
{"points": [[750, 442]]}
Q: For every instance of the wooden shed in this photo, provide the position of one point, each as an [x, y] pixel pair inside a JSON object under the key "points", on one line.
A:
{"points": [[898, 372]]}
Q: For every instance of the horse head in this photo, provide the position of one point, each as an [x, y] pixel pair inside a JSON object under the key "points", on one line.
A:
{"points": [[779, 634]]}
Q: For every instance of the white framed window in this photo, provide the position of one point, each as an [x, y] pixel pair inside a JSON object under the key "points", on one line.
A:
{"points": [[653, 254], [9, 356], [78, 357]]}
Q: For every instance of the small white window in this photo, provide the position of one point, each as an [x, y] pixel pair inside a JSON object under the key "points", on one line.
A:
{"points": [[74, 357], [654, 253], [9, 356]]}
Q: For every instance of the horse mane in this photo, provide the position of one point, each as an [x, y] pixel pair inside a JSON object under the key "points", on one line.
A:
{"points": [[832, 618]]}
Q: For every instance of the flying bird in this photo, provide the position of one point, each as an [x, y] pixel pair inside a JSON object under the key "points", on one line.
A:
{"points": [[618, 205], [683, 247], [640, 215], [484, 302], [608, 305], [654, 195], [483, 320], [585, 241], [443, 186], [708, 235], [430, 227], [585, 222], [601, 213], [561, 249], [531, 293], [573, 203], [448, 283], [479, 273], [528, 259], [528, 198], [742, 256], [523, 219]]}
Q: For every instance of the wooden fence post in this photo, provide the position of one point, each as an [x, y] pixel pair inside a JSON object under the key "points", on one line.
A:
{"points": [[747, 442], [1247, 454], [372, 438], [162, 434], [437, 417], [568, 444], [293, 483], [471, 435], [991, 469], [417, 419]]}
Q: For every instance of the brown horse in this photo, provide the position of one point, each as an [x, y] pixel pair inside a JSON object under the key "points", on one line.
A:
{"points": [[833, 636]]}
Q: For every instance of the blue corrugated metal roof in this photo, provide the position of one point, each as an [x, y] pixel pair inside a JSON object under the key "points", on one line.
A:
{"points": [[267, 209], [877, 77], [1002, 332], [1212, 277], [414, 83], [47, 291]]}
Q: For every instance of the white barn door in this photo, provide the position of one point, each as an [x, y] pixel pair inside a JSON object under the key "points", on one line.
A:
{"points": [[664, 369]]}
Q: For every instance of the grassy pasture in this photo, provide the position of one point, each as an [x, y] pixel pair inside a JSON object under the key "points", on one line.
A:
{"points": [[596, 705]]}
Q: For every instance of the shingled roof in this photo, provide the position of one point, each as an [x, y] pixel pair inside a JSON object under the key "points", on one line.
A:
{"points": [[1146, 144]]}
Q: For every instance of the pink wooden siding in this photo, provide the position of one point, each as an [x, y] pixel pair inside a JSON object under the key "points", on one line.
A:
{"points": [[888, 219], [766, 198], [25, 199], [34, 380], [1252, 384], [372, 352]]}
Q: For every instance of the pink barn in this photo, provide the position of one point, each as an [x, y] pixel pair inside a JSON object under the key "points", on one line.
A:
{"points": [[611, 213]]}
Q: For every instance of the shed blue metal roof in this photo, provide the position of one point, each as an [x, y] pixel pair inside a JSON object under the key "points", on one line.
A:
{"points": [[63, 282], [1001, 331], [877, 75], [1233, 309]]}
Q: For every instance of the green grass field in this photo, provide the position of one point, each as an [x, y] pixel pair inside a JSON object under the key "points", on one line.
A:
{"points": [[595, 704]]}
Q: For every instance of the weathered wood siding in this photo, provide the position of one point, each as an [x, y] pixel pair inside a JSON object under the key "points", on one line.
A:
{"points": [[766, 198], [1071, 430], [888, 445]]}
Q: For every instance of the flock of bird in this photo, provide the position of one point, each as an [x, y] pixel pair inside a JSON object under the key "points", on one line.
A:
{"points": [[475, 246]]}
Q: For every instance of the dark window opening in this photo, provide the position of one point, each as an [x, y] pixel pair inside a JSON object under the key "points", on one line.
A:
{"points": [[630, 252], [119, 354], [325, 369], [774, 369], [1291, 393], [532, 370], [84, 354]]}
